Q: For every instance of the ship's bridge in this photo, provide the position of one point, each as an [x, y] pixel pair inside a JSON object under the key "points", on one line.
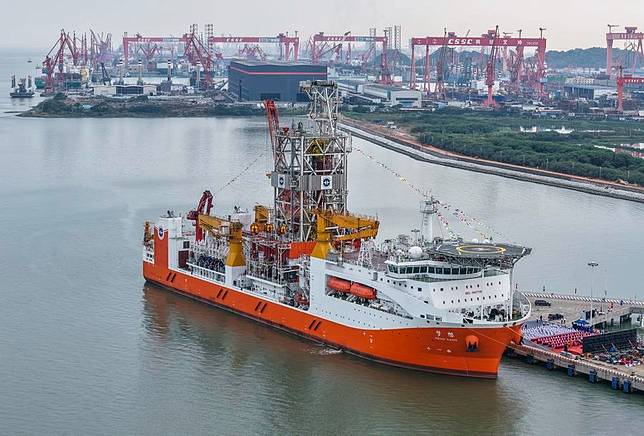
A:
{"points": [[430, 271]]}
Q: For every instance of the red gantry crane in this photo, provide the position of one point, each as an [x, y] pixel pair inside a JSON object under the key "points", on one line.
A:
{"points": [[634, 40], [486, 40], [289, 46], [625, 80], [319, 41]]}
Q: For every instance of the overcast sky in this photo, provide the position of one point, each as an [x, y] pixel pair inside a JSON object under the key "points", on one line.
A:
{"points": [[569, 23]]}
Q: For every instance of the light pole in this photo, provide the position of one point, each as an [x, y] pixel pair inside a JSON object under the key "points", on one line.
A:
{"points": [[592, 266]]}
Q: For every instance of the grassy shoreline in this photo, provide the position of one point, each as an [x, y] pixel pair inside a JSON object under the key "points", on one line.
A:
{"points": [[581, 149]]}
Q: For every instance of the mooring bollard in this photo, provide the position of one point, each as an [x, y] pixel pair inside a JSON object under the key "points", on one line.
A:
{"points": [[550, 364], [592, 376], [571, 370], [614, 382]]}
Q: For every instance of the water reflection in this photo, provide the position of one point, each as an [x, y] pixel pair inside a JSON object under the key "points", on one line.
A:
{"points": [[296, 384]]}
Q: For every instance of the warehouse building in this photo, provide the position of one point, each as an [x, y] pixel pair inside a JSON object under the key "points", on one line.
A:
{"points": [[394, 96], [256, 81]]}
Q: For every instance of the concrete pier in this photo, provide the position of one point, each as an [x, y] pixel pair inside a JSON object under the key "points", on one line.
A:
{"points": [[571, 307]]}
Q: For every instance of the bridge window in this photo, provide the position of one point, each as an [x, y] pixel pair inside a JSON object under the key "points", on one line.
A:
{"points": [[454, 271], [447, 271], [423, 269], [416, 270], [430, 269], [463, 270], [439, 270]]}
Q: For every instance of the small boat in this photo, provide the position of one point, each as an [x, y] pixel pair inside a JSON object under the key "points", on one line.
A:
{"points": [[23, 90]]}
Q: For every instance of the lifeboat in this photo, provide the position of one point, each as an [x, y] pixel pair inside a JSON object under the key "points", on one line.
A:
{"points": [[339, 285], [363, 291]]}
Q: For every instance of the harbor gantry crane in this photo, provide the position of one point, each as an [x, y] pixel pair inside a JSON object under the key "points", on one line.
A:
{"points": [[625, 80]]}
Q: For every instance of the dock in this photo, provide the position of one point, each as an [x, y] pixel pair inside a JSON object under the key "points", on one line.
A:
{"points": [[610, 312]]}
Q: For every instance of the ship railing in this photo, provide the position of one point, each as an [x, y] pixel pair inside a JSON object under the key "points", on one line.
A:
{"points": [[148, 254], [520, 305], [206, 273]]}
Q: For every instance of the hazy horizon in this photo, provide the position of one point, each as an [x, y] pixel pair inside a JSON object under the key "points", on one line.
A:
{"points": [[571, 24]]}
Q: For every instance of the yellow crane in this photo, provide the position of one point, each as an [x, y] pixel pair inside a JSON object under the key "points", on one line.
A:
{"points": [[361, 228], [232, 230]]}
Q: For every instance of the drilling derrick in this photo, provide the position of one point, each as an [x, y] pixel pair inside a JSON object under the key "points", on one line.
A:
{"points": [[310, 164]]}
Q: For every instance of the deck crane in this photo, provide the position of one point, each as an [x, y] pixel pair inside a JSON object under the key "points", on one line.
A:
{"points": [[204, 207], [490, 73], [230, 230], [328, 223]]}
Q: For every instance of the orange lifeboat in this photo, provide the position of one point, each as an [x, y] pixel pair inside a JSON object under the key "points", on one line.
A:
{"points": [[339, 285], [363, 291]]}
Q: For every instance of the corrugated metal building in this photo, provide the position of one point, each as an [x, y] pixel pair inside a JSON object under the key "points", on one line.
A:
{"points": [[255, 81]]}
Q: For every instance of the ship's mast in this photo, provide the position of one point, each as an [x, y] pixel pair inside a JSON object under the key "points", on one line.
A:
{"points": [[310, 164], [427, 209]]}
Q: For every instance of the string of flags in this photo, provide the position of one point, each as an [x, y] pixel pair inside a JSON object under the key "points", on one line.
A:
{"points": [[479, 227], [234, 179]]}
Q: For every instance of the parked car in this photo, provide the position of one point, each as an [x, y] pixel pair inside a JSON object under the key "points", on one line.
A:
{"points": [[542, 303]]}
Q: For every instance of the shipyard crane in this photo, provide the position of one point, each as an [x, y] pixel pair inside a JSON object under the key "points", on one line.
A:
{"points": [[625, 80], [439, 92], [329, 222], [273, 122], [58, 58], [490, 73], [196, 52], [204, 206]]}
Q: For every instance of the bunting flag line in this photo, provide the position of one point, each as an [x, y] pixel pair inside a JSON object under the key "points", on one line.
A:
{"points": [[483, 230]]}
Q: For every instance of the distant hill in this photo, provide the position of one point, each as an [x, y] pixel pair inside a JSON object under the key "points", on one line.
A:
{"points": [[594, 57]]}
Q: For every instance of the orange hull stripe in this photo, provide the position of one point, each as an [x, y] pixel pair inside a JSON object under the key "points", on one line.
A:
{"points": [[431, 349]]}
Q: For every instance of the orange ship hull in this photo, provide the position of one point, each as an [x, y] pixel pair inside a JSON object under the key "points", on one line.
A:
{"points": [[441, 350]]}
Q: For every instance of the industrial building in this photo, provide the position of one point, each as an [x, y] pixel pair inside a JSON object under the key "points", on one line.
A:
{"points": [[589, 92], [254, 81], [125, 90], [393, 96]]}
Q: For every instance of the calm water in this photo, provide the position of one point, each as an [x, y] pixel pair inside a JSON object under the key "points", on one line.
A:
{"points": [[87, 348]]}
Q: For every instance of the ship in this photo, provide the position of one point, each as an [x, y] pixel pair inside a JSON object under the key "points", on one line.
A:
{"points": [[23, 90], [308, 266]]}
